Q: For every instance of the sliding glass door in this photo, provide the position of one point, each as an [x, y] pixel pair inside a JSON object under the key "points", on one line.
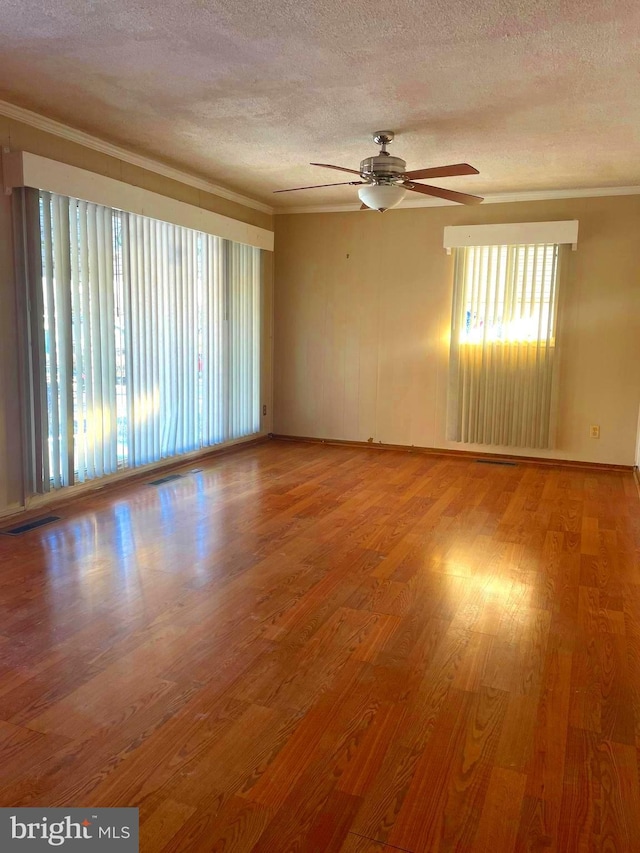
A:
{"points": [[150, 340]]}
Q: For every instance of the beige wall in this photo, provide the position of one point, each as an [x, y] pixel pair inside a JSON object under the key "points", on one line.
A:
{"points": [[21, 137], [362, 317]]}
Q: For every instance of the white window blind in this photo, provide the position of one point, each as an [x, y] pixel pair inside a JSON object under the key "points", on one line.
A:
{"points": [[151, 339], [503, 354]]}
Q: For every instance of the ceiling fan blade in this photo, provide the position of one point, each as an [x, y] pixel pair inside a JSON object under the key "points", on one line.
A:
{"points": [[319, 186], [339, 168], [443, 172], [450, 195]]}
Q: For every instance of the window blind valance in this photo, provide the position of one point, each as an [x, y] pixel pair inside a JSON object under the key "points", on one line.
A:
{"points": [[22, 169], [511, 234]]}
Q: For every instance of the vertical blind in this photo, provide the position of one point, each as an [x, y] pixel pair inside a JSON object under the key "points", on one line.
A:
{"points": [[151, 340], [503, 350]]}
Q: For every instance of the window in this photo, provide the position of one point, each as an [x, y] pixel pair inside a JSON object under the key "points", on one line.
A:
{"points": [[502, 358], [149, 341], [508, 293]]}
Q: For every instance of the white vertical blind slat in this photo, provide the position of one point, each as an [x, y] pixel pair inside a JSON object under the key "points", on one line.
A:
{"points": [[161, 420], [86, 466], [107, 338], [64, 339], [98, 327], [79, 365], [223, 349], [47, 221], [202, 321], [154, 334]]}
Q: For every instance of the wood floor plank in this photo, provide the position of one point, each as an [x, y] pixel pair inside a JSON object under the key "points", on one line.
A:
{"points": [[316, 648], [222, 823], [305, 746], [160, 827], [500, 817], [474, 661], [73, 772], [158, 760], [23, 748], [445, 793], [600, 805]]}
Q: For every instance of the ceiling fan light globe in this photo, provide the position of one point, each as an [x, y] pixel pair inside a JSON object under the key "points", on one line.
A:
{"points": [[381, 196]]}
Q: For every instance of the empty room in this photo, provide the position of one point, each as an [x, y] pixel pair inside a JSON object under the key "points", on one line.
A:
{"points": [[320, 427]]}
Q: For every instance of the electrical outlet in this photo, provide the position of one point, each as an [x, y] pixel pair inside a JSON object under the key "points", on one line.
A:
{"points": [[594, 431], [264, 411]]}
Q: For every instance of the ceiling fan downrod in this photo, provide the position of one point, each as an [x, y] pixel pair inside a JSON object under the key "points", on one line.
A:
{"points": [[383, 138]]}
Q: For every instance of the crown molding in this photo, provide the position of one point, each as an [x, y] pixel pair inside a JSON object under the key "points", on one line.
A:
{"points": [[63, 131], [491, 198]]}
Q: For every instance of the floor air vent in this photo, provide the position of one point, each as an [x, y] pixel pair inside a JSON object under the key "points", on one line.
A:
{"points": [[496, 462], [31, 525], [164, 480]]}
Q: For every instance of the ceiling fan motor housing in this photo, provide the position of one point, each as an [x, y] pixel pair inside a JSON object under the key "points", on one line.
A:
{"points": [[383, 168]]}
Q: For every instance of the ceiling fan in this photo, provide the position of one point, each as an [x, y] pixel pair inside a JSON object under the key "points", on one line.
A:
{"points": [[385, 180]]}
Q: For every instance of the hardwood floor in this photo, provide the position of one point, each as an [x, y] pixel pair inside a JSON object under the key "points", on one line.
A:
{"points": [[313, 648]]}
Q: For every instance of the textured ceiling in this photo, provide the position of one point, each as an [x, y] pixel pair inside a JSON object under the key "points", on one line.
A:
{"points": [[537, 94]]}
